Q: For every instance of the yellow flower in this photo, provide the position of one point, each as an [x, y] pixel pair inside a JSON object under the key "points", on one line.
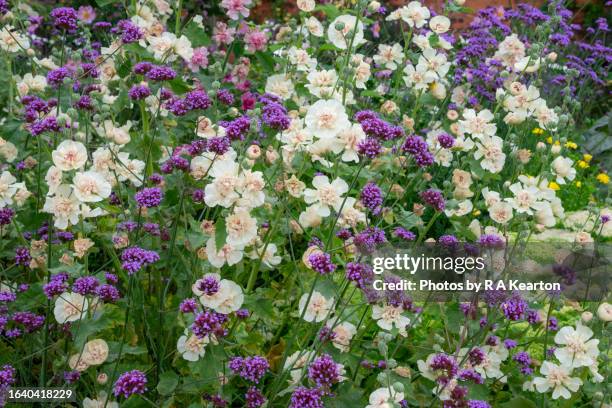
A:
{"points": [[571, 145], [579, 184], [587, 157], [553, 186], [549, 140], [476, 213], [583, 165], [537, 131], [603, 178]]}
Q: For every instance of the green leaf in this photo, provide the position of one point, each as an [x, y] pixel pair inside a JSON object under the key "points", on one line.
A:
{"points": [[196, 35], [329, 10], [179, 86], [266, 60], [167, 383], [220, 233], [434, 40], [407, 219], [102, 3]]}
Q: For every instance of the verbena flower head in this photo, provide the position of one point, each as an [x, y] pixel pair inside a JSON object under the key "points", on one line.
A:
{"points": [[149, 197], [130, 383], [65, 18], [249, 368], [135, 258]]}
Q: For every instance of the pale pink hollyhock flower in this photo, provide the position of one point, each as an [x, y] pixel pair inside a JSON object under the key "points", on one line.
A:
{"points": [[222, 34], [236, 7], [255, 40], [199, 59], [86, 14]]}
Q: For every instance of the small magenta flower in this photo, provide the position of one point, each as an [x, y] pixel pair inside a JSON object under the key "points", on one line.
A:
{"points": [[130, 383], [134, 258], [304, 397], [324, 371], [434, 199], [249, 368], [321, 263]]}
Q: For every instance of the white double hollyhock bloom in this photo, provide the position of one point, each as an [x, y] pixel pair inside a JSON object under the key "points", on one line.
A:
{"points": [[414, 14], [326, 119], [317, 309], [69, 155], [562, 167], [91, 186], [477, 124], [325, 195], [280, 85], [384, 397]]}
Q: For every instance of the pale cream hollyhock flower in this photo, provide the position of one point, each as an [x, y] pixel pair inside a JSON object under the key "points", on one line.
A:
{"points": [[294, 186], [341, 38], [222, 190], [117, 134], [389, 56], [102, 378], [269, 257], [207, 130], [322, 83], [439, 24], [70, 307], [53, 179], [9, 151], [30, 82], [350, 138], [414, 14], [351, 216], [100, 402], [438, 90], [525, 198], [583, 237], [317, 309], [325, 194], [461, 178], [64, 206], [388, 316], [306, 5], [227, 254], [528, 65], [77, 362], [314, 27], [418, 78], [82, 245], [241, 227], [463, 208], [231, 297], [91, 187], [280, 85], [510, 51], [12, 40], [562, 167], [558, 378], [604, 312], [363, 71], [253, 152], [477, 124], [326, 118], [167, 47], [343, 333], [501, 212], [191, 347], [310, 218], [490, 197], [95, 352], [130, 169], [301, 59], [434, 62], [251, 189], [544, 215], [69, 155], [8, 188], [490, 149], [384, 397], [580, 350]]}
